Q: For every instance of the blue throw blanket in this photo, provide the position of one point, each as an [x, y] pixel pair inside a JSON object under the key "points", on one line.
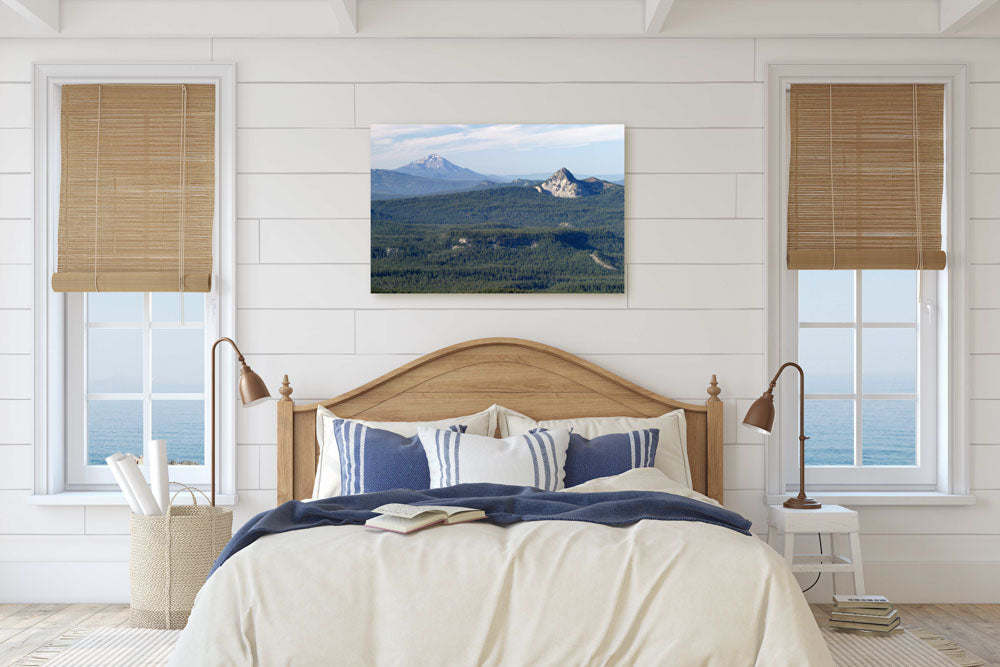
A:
{"points": [[502, 503]]}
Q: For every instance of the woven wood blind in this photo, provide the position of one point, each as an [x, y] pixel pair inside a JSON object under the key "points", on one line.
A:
{"points": [[866, 176], [137, 190]]}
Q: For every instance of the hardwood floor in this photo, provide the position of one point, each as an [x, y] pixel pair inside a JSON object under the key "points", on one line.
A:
{"points": [[974, 627], [26, 627]]}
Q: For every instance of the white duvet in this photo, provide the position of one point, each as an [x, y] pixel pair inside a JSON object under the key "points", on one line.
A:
{"points": [[538, 593]]}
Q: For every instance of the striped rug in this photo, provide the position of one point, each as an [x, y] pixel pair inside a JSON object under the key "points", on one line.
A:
{"points": [[101, 647], [914, 648]]}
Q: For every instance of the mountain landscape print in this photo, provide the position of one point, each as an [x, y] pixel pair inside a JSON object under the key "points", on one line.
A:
{"points": [[498, 208]]}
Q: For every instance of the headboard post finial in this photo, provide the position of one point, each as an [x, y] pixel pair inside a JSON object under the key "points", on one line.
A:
{"points": [[285, 390], [713, 389]]}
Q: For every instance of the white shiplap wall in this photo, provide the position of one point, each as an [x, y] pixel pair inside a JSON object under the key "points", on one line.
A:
{"points": [[694, 111]]}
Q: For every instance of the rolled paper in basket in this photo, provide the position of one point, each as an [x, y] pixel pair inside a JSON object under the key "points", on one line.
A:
{"points": [[158, 474], [122, 483], [136, 482]]}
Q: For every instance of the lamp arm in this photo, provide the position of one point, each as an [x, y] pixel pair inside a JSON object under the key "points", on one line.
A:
{"points": [[239, 355]]}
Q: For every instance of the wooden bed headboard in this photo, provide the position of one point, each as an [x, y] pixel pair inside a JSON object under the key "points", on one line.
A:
{"points": [[540, 381]]}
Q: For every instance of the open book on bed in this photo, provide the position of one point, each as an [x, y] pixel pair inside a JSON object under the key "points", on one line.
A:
{"points": [[402, 518]]}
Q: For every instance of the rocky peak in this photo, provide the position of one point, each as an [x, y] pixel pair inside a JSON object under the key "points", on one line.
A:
{"points": [[564, 184]]}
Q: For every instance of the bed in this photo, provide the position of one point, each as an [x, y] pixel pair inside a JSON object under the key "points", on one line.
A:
{"points": [[544, 592]]}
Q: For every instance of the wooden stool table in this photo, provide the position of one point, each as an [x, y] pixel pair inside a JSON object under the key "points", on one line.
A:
{"points": [[832, 519]]}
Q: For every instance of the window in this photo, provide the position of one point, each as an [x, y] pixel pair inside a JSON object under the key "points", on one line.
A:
{"points": [[116, 369], [862, 339], [136, 372], [883, 349]]}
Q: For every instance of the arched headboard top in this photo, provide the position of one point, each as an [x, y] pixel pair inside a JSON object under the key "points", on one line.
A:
{"points": [[536, 379]]}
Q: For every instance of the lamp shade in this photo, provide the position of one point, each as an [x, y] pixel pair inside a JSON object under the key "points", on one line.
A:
{"points": [[760, 416], [252, 388]]}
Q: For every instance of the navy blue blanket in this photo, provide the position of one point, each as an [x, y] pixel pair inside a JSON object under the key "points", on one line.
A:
{"points": [[503, 505]]}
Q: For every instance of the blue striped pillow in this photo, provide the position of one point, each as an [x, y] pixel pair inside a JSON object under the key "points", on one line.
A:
{"points": [[372, 459], [610, 454]]}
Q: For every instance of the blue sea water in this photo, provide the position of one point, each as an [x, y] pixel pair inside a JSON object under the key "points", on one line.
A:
{"points": [[116, 426]]}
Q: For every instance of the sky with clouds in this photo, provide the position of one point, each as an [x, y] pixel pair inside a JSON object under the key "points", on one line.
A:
{"points": [[504, 149]]}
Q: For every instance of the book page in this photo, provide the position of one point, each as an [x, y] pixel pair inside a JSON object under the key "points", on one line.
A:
{"points": [[450, 511], [406, 511]]}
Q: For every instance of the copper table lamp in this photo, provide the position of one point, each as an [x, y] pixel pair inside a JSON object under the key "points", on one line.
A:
{"points": [[760, 417], [252, 391]]}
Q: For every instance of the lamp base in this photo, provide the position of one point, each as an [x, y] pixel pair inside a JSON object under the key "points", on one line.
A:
{"points": [[802, 504]]}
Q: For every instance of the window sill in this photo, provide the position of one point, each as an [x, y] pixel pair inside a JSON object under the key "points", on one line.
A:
{"points": [[850, 498], [112, 498]]}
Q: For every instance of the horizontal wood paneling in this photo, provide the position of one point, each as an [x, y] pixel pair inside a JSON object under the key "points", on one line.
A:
{"points": [[638, 105], [15, 196], [301, 331], [680, 196], [984, 331], [302, 195], [694, 150], [16, 376], [302, 150], [16, 288], [984, 427], [16, 241], [16, 329], [686, 374], [15, 105], [984, 467], [696, 286], [17, 55], [600, 332], [15, 150], [17, 471], [654, 241], [511, 60], [984, 286], [314, 241], [16, 425], [294, 105], [984, 241]]}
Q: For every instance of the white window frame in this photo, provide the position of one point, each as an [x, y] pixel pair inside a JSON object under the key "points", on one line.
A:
{"points": [[51, 482], [80, 475], [947, 307], [923, 475]]}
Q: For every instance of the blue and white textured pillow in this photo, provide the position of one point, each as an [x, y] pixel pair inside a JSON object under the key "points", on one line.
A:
{"points": [[608, 455], [372, 459], [533, 459]]}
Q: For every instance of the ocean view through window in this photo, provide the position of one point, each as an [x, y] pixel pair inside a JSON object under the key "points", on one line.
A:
{"points": [[145, 374], [858, 341]]}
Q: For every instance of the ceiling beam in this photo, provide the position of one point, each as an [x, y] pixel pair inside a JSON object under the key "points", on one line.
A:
{"points": [[44, 13], [656, 15], [958, 14], [347, 14]]}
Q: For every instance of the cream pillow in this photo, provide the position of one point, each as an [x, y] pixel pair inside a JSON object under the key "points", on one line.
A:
{"points": [[327, 482], [671, 452]]}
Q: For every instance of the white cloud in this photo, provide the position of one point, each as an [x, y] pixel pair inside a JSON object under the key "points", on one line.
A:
{"points": [[403, 143]]}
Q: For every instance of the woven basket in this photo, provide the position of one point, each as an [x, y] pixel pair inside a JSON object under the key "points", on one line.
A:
{"points": [[170, 559]]}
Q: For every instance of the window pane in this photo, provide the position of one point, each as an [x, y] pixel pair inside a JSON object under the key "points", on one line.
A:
{"points": [[889, 296], [827, 357], [114, 307], [114, 360], [194, 306], [889, 361], [178, 360], [826, 296], [888, 432], [830, 427], [166, 307], [113, 426], [182, 425]]}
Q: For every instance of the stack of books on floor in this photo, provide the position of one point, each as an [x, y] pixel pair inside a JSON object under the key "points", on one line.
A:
{"points": [[864, 613]]}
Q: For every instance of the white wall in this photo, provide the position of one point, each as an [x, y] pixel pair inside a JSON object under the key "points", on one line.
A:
{"points": [[694, 111]]}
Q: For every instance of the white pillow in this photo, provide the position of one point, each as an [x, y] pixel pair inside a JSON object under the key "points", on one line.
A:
{"points": [[327, 482], [536, 459], [639, 479], [671, 452]]}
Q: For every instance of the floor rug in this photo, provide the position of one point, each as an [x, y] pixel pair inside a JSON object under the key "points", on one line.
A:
{"points": [[102, 647], [914, 648]]}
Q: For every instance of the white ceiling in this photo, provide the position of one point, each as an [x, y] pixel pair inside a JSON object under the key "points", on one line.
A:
{"points": [[418, 18]]}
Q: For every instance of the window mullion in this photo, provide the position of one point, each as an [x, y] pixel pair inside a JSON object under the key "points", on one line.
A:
{"points": [[858, 389], [147, 374]]}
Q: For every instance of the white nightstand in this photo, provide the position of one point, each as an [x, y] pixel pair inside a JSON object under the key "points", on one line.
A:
{"points": [[832, 519]]}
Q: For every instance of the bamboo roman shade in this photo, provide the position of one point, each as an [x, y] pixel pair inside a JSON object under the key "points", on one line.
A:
{"points": [[137, 193], [866, 176]]}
